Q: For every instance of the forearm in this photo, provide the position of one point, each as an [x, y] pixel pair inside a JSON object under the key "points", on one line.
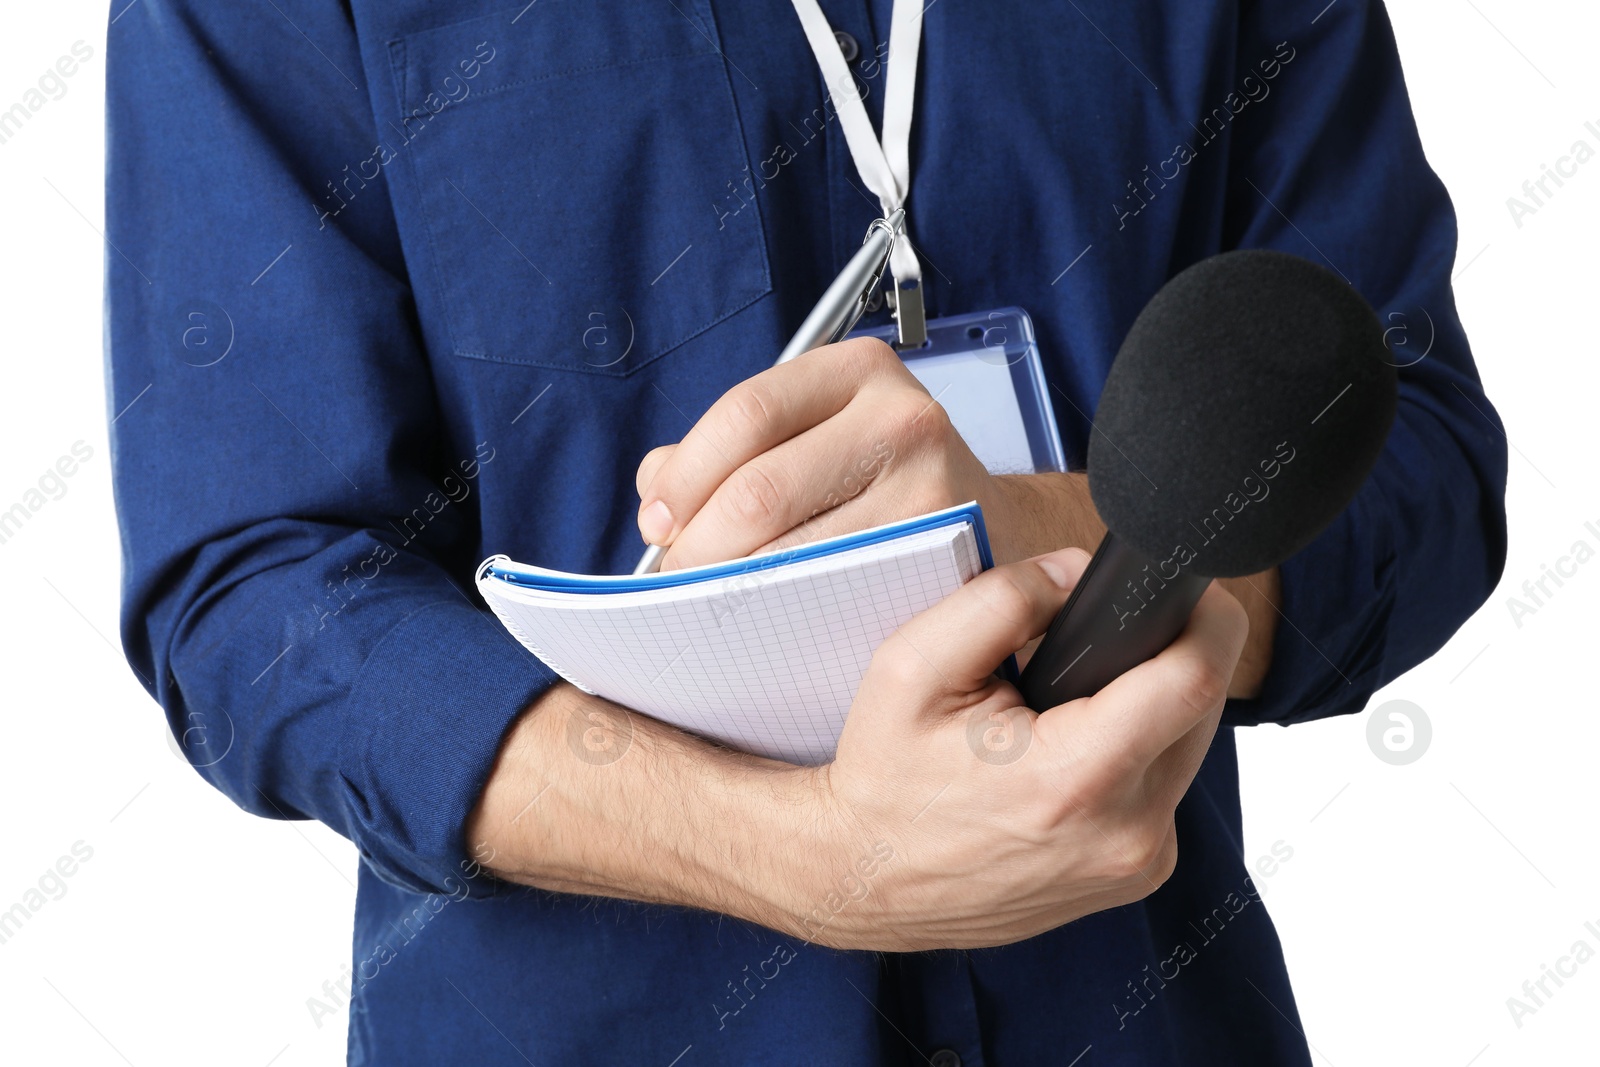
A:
{"points": [[905, 842], [1045, 512], [588, 798]]}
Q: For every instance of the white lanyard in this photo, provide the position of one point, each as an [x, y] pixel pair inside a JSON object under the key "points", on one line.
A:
{"points": [[885, 167]]}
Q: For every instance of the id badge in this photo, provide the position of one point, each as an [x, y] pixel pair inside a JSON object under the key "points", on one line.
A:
{"points": [[984, 368]]}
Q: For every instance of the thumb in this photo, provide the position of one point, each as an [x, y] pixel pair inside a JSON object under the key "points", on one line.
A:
{"points": [[648, 467], [955, 646]]}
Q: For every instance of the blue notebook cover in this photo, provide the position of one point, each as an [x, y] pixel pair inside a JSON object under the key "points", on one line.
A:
{"points": [[502, 568], [761, 654]]}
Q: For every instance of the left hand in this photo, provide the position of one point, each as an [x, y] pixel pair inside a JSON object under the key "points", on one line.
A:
{"points": [[843, 438]]}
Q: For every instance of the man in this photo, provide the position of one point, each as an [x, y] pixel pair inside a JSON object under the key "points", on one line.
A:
{"points": [[425, 281]]}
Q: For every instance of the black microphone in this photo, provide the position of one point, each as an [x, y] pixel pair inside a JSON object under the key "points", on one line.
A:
{"points": [[1245, 408]]}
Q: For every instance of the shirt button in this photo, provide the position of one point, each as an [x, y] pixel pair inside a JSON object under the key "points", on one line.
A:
{"points": [[847, 45], [945, 1057]]}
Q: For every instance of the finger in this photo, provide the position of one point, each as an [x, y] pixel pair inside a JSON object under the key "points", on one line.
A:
{"points": [[649, 465], [793, 485], [751, 418], [1146, 711], [955, 646], [891, 500]]}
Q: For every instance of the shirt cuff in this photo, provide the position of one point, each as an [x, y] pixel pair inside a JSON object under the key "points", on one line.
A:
{"points": [[424, 723], [1329, 646]]}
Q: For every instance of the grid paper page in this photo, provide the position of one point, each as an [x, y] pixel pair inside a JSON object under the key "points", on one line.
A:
{"points": [[767, 662]]}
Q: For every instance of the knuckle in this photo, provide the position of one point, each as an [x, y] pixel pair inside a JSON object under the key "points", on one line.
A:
{"points": [[1074, 794], [1203, 685], [1167, 862], [915, 416], [932, 419], [753, 497], [754, 407], [1145, 856], [896, 667], [872, 353], [1061, 806], [1238, 617], [934, 496], [1003, 594]]}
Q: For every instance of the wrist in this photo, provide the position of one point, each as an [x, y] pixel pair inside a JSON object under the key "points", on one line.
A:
{"points": [[804, 840], [1261, 595], [1038, 513], [841, 897]]}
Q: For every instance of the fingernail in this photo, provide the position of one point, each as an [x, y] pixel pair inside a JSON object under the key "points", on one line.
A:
{"points": [[655, 522], [1056, 571]]}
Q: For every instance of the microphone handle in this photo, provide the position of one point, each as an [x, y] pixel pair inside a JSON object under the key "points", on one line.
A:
{"points": [[1123, 612]]}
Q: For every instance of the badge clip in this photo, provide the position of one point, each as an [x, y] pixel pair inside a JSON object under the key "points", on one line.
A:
{"points": [[909, 314]]}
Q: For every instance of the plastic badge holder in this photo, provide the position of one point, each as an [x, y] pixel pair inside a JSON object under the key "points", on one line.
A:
{"points": [[984, 368]]}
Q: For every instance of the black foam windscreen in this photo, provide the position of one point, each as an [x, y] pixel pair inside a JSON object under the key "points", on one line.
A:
{"points": [[1246, 406]]}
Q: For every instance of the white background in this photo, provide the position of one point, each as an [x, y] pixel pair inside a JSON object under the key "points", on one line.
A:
{"points": [[1418, 899]]}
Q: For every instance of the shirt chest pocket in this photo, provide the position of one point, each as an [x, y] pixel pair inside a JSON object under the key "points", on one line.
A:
{"points": [[568, 164]]}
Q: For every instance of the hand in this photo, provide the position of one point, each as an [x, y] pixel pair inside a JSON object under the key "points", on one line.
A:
{"points": [[1000, 824], [929, 830], [841, 439], [845, 438]]}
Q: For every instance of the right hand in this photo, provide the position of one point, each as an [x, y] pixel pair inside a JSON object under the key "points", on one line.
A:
{"points": [[1000, 824]]}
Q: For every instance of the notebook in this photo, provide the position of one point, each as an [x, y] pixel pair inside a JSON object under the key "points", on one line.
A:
{"points": [[761, 654]]}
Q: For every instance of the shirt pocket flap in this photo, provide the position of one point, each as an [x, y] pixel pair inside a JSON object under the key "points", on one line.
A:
{"points": [[569, 162]]}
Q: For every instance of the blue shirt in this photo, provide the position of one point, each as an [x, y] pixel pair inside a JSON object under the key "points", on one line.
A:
{"points": [[395, 285]]}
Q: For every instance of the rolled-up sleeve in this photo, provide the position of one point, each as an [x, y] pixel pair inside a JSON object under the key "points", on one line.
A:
{"points": [[297, 531], [1328, 165]]}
